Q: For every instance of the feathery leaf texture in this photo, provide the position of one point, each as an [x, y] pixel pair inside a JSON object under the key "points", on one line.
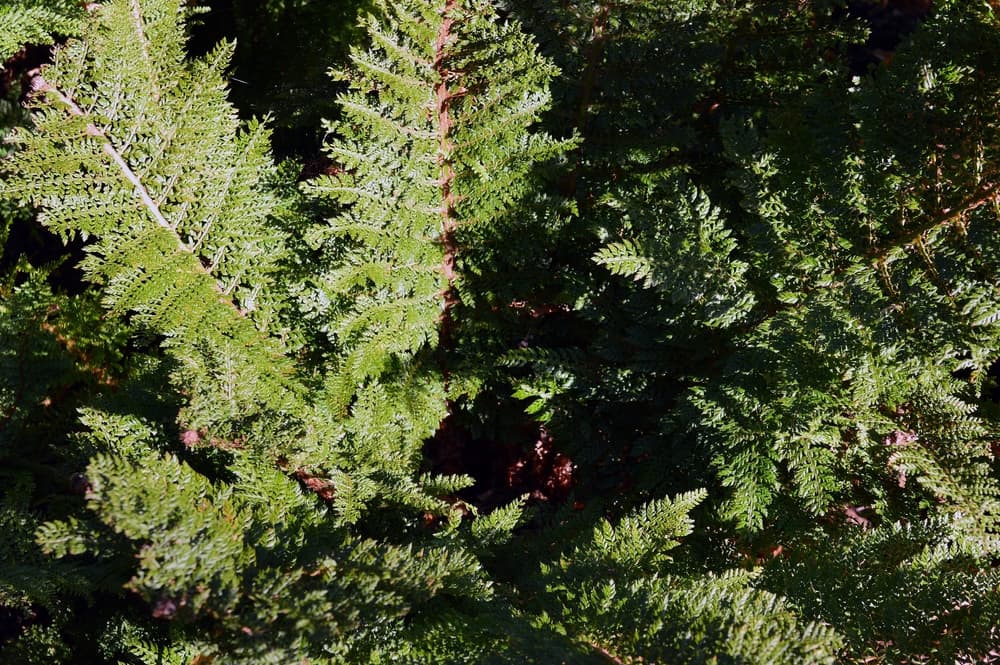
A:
{"points": [[583, 256], [435, 142], [153, 167]]}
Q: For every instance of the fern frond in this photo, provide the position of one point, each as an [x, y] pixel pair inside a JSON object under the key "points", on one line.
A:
{"points": [[155, 168]]}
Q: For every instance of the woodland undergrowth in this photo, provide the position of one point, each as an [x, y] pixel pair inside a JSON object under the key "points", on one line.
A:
{"points": [[514, 331]]}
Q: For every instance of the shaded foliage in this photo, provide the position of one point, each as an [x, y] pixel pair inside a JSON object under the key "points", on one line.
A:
{"points": [[599, 332]]}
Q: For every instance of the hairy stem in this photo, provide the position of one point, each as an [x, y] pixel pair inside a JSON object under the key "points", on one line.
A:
{"points": [[449, 225]]}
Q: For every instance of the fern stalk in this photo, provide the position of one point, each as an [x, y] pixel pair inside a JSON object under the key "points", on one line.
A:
{"points": [[443, 98]]}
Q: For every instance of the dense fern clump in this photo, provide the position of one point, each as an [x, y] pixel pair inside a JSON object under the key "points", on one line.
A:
{"points": [[602, 332]]}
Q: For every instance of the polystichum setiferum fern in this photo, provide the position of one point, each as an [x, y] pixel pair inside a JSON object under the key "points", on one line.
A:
{"points": [[700, 252]]}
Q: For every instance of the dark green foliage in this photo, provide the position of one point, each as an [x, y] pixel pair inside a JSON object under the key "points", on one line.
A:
{"points": [[284, 51], [889, 589], [56, 352], [615, 592], [452, 399]]}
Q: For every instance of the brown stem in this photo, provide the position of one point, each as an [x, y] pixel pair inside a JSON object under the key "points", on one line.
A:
{"points": [[449, 224], [948, 217], [878, 257], [448, 437], [607, 654]]}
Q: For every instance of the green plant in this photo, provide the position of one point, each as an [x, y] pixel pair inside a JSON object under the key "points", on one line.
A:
{"points": [[453, 399]]}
